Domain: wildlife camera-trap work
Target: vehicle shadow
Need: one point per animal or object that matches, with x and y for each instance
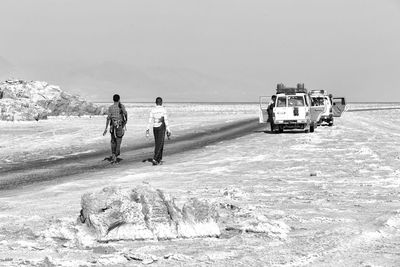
(277, 133)
(292, 132)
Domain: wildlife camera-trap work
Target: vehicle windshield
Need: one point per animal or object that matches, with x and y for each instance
(295, 101)
(281, 101)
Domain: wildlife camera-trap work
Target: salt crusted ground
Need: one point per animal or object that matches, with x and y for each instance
(63, 136)
(330, 198)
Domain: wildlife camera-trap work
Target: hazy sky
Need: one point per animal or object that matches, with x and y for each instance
(205, 50)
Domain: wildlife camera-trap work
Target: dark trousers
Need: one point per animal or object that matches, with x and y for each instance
(115, 144)
(271, 119)
(159, 138)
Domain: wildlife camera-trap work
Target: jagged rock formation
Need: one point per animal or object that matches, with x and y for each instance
(145, 213)
(22, 100)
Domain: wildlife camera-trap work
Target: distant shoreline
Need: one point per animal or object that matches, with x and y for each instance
(178, 102)
(227, 103)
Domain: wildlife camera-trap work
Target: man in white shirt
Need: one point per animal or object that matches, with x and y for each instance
(159, 120)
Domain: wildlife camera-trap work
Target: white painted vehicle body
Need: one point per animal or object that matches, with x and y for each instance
(292, 111)
(322, 99)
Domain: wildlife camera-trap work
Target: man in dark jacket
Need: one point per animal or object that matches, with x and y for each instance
(270, 109)
(117, 118)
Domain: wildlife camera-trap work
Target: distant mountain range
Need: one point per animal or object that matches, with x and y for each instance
(98, 82)
(139, 84)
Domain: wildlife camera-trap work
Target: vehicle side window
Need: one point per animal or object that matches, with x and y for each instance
(318, 101)
(339, 101)
(295, 101)
(281, 102)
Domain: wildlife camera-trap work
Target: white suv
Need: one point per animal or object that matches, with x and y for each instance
(292, 110)
(320, 98)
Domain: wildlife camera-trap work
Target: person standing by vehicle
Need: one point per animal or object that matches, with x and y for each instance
(159, 120)
(270, 109)
(117, 118)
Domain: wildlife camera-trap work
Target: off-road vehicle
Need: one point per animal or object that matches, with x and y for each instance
(321, 98)
(292, 109)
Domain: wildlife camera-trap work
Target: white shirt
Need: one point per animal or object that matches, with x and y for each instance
(156, 114)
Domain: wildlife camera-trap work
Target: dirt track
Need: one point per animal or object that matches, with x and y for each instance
(40, 171)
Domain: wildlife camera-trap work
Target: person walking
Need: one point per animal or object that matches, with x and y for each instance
(117, 117)
(159, 120)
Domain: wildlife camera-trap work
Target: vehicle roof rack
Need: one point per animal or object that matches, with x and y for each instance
(281, 89)
(319, 92)
(291, 90)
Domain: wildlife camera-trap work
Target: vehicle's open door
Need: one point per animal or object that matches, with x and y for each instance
(316, 112)
(338, 106)
(263, 116)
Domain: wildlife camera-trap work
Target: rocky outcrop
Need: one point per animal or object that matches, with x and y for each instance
(145, 213)
(21, 100)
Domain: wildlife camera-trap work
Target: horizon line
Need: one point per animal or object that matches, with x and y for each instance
(239, 102)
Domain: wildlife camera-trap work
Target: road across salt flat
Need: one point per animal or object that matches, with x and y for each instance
(40, 171)
(371, 109)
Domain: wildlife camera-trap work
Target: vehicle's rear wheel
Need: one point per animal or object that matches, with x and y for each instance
(311, 128)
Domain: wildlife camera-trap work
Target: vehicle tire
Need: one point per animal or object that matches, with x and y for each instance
(280, 129)
(311, 128)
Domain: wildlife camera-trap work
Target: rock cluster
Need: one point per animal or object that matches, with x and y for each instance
(22, 100)
(144, 213)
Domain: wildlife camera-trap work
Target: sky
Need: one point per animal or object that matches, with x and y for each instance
(204, 50)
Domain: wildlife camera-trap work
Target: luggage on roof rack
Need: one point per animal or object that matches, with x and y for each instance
(291, 90)
(318, 92)
(281, 89)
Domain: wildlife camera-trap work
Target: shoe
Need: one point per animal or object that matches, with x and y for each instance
(113, 158)
(155, 162)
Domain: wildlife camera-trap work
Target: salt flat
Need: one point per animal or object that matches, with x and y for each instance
(327, 198)
(61, 136)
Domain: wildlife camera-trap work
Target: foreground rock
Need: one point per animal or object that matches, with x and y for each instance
(22, 100)
(145, 213)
